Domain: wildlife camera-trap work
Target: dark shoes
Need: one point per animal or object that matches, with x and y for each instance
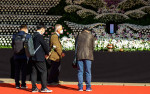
(54, 83)
(35, 90)
(45, 90)
(22, 87)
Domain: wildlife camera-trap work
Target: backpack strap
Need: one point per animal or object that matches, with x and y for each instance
(23, 37)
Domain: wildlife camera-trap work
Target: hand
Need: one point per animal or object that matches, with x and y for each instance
(63, 54)
(46, 56)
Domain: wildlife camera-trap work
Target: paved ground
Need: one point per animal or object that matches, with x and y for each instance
(4, 80)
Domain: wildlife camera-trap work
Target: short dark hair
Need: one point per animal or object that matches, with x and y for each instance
(85, 28)
(23, 27)
(40, 25)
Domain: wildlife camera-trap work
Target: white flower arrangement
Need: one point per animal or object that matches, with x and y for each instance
(69, 2)
(68, 43)
(145, 9)
(123, 16)
(125, 38)
(101, 44)
(138, 28)
(135, 13)
(79, 27)
(5, 41)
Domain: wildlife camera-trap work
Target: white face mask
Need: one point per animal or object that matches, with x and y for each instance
(42, 33)
(61, 32)
(27, 31)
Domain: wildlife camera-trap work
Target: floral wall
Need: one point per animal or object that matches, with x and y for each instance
(132, 17)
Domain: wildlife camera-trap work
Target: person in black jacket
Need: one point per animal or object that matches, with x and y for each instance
(20, 59)
(39, 63)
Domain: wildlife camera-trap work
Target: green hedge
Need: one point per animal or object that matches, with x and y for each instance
(73, 17)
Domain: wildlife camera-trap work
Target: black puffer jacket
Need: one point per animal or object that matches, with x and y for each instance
(85, 46)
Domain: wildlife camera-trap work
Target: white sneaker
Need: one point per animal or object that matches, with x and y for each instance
(17, 87)
(46, 90)
(80, 89)
(89, 89)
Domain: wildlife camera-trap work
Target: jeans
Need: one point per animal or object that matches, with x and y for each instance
(87, 65)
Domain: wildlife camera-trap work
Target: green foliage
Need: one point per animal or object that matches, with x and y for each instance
(131, 5)
(142, 21)
(5, 47)
(88, 7)
(94, 3)
(73, 17)
(59, 9)
(147, 10)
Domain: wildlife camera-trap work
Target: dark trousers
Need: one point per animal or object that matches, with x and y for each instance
(41, 68)
(54, 72)
(20, 66)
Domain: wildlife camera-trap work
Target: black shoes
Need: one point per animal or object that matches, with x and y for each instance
(45, 90)
(24, 87)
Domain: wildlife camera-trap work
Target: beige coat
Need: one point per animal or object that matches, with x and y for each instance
(56, 54)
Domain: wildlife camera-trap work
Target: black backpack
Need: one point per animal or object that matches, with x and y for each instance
(18, 46)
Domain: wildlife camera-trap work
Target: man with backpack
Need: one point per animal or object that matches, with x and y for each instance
(39, 63)
(20, 57)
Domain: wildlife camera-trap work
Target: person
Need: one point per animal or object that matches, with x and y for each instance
(20, 57)
(85, 47)
(56, 55)
(38, 60)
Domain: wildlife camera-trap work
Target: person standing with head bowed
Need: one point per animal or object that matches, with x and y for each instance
(56, 55)
(85, 48)
(39, 63)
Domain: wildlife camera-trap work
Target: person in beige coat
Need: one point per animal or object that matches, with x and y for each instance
(56, 55)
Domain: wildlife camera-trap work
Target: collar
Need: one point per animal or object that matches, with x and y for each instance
(57, 33)
(21, 31)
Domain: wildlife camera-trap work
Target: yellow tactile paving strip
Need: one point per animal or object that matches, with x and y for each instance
(4, 80)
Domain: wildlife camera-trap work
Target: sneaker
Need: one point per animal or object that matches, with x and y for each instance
(24, 87)
(35, 90)
(46, 90)
(88, 89)
(17, 87)
(80, 89)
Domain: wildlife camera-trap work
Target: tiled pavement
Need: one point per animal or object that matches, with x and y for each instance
(6, 80)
